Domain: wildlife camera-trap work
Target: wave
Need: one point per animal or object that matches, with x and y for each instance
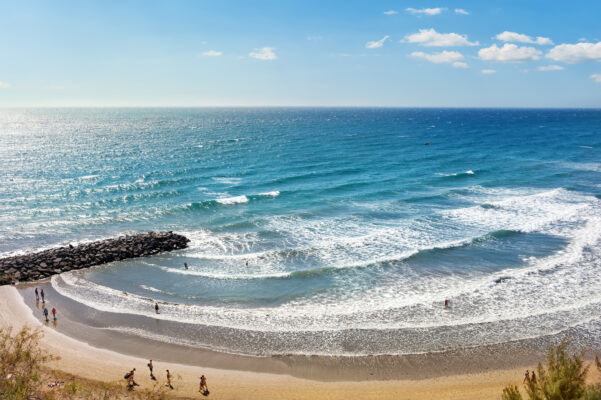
(222, 201)
(462, 290)
(327, 270)
(457, 175)
(232, 200)
(221, 276)
(152, 289)
(274, 193)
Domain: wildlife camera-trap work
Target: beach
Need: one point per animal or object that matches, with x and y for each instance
(323, 245)
(83, 360)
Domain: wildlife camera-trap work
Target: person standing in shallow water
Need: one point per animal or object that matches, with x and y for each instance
(46, 314)
(37, 295)
(186, 266)
(42, 293)
(156, 307)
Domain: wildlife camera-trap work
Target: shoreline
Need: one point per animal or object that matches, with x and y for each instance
(83, 359)
(97, 329)
(90, 362)
(148, 337)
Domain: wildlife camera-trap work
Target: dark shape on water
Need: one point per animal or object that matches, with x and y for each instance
(503, 279)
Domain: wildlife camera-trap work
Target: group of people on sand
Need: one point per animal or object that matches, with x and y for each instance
(529, 377)
(129, 377)
(44, 308)
(131, 383)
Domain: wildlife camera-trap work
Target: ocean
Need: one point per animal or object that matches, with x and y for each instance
(319, 230)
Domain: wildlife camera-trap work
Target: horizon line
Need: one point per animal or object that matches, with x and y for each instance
(302, 106)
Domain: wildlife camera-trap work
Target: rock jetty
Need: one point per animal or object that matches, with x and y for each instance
(31, 267)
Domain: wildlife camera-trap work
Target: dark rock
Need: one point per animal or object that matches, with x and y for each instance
(54, 261)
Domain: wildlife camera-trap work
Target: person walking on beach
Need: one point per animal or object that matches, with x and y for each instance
(203, 385)
(42, 293)
(156, 307)
(150, 368)
(130, 379)
(37, 295)
(526, 377)
(46, 313)
(169, 380)
(54, 313)
(533, 377)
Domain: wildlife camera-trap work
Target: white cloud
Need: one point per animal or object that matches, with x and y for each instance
(377, 44)
(461, 11)
(488, 71)
(4, 85)
(575, 53)
(460, 64)
(212, 53)
(521, 38)
(264, 53)
(596, 77)
(439, 58)
(391, 12)
(425, 11)
(509, 53)
(550, 68)
(429, 37)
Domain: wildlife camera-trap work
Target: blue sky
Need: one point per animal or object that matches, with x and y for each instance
(301, 53)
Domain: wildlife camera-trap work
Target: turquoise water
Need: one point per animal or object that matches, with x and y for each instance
(354, 230)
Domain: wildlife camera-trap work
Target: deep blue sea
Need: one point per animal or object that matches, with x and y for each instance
(354, 230)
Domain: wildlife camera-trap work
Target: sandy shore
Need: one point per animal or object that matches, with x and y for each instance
(93, 363)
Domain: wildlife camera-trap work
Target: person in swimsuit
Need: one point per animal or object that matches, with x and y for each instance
(186, 266)
(203, 384)
(150, 367)
(156, 307)
(169, 380)
(130, 379)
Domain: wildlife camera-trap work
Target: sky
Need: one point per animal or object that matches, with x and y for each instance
(439, 53)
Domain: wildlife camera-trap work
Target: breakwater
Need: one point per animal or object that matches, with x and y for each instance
(46, 263)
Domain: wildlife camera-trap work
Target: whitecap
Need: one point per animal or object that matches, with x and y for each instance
(232, 200)
(274, 193)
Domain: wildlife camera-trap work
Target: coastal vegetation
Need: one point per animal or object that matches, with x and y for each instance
(562, 378)
(24, 375)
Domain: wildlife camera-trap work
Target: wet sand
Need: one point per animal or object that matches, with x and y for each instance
(460, 374)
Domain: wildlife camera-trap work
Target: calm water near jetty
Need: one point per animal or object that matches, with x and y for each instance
(354, 232)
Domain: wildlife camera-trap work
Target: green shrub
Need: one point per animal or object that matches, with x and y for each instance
(563, 378)
(21, 360)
